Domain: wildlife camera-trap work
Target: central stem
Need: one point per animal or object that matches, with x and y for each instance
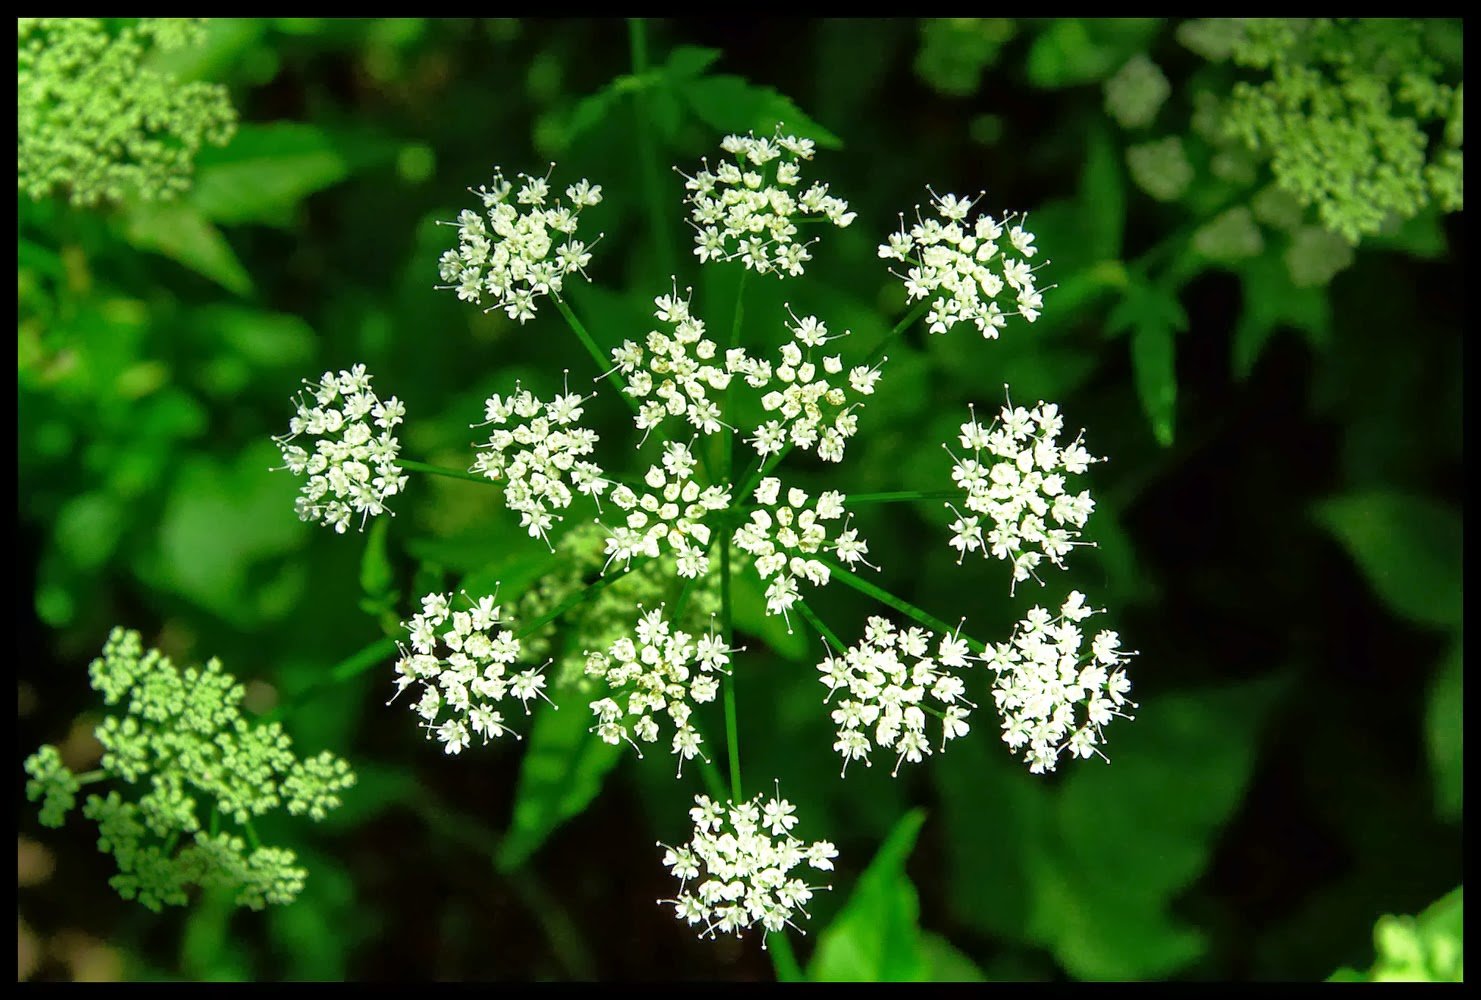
(727, 445)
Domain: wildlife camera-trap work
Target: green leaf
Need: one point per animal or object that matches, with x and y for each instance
(268, 169)
(1102, 198)
(734, 104)
(875, 938)
(1408, 547)
(945, 964)
(562, 771)
(1272, 302)
(180, 232)
(1428, 948)
(1444, 728)
(1153, 315)
(688, 61)
(1074, 51)
(1127, 837)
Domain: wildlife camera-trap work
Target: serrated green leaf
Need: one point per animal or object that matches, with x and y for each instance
(875, 938)
(1408, 547)
(562, 771)
(734, 104)
(1271, 302)
(1444, 728)
(180, 232)
(688, 61)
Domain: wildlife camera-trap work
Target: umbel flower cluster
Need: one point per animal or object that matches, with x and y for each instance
(94, 122)
(649, 675)
(1021, 489)
(735, 872)
(522, 248)
(460, 660)
(352, 468)
(1345, 113)
(192, 773)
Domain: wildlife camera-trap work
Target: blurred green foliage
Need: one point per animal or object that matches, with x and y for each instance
(1278, 529)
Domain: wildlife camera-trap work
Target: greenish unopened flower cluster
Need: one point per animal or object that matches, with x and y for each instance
(1346, 113)
(191, 774)
(94, 121)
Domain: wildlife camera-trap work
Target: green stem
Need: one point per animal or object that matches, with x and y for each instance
(637, 36)
(905, 323)
(586, 593)
(603, 363)
(855, 499)
(438, 470)
(901, 605)
(727, 450)
(732, 738)
(817, 623)
(783, 961)
(252, 838)
(90, 777)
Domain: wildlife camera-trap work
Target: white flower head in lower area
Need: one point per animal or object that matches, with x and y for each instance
(658, 671)
(978, 272)
(747, 209)
(537, 449)
(811, 398)
(785, 539)
(352, 467)
(460, 661)
(892, 680)
(1020, 487)
(523, 246)
(735, 872)
(670, 514)
(1053, 694)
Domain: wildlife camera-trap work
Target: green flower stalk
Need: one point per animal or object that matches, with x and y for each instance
(96, 124)
(188, 764)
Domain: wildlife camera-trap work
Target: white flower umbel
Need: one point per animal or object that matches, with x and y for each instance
(783, 539)
(735, 872)
(671, 513)
(1053, 695)
(536, 449)
(460, 662)
(802, 389)
(971, 269)
(352, 467)
(748, 209)
(892, 681)
(674, 377)
(1021, 489)
(659, 671)
(522, 247)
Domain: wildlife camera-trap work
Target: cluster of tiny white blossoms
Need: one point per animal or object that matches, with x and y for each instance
(1052, 695)
(782, 540)
(534, 448)
(677, 373)
(673, 511)
(966, 267)
(469, 675)
(1022, 490)
(524, 250)
(805, 388)
(740, 859)
(663, 671)
(746, 209)
(352, 469)
(887, 691)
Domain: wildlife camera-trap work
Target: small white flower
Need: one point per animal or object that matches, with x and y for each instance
(469, 676)
(537, 449)
(965, 266)
(1052, 696)
(352, 468)
(520, 249)
(735, 872)
(664, 671)
(1016, 478)
(671, 514)
(746, 210)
